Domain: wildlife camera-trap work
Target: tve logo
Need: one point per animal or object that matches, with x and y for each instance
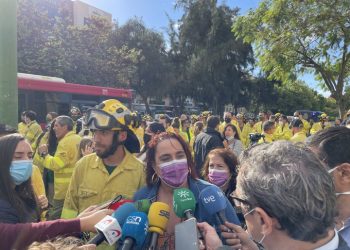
(133, 220)
(209, 199)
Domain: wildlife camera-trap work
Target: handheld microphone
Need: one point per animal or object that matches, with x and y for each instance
(214, 202)
(158, 217)
(116, 221)
(134, 231)
(184, 203)
(143, 205)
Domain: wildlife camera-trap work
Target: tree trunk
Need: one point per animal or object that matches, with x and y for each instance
(341, 105)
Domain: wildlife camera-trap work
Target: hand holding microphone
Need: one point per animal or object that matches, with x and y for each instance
(109, 228)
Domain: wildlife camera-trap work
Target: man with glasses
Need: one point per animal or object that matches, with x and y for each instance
(333, 147)
(288, 201)
(112, 170)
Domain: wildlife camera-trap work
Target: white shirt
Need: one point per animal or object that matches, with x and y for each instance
(332, 244)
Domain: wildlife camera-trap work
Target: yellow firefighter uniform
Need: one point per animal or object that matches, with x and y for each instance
(22, 127)
(282, 132)
(318, 127)
(298, 137)
(247, 129)
(91, 183)
(32, 132)
(268, 138)
(63, 162)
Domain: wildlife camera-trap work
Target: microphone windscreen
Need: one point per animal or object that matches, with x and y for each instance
(123, 212)
(136, 227)
(212, 199)
(143, 205)
(183, 200)
(158, 217)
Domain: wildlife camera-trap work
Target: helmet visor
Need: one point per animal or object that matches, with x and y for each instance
(99, 119)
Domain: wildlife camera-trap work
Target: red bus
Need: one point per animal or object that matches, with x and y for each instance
(43, 94)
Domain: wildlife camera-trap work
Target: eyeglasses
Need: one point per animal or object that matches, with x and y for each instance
(239, 202)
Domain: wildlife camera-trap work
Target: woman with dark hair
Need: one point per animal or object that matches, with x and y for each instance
(17, 199)
(220, 169)
(169, 165)
(232, 140)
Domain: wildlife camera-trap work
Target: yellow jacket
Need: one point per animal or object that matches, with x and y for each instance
(306, 127)
(282, 133)
(37, 182)
(317, 127)
(22, 127)
(91, 184)
(139, 132)
(258, 127)
(32, 132)
(298, 137)
(247, 129)
(63, 162)
(268, 138)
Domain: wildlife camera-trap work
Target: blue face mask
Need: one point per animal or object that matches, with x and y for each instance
(21, 171)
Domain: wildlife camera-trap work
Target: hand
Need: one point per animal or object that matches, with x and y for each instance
(237, 238)
(43, 201)
(225, 142)
(87, 223)
(211, 238)
(89, 149)
(88, 211)
(42, 149)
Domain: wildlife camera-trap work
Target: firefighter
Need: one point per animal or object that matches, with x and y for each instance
(113, 169)
(62, 162)
(322, 124)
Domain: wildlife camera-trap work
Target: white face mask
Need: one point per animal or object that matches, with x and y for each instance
(229, 138)
(250, 235)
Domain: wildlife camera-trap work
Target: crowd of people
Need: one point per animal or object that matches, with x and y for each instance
(285, 183)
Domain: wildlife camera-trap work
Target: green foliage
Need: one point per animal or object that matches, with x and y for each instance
(213, 62)
(291, 37)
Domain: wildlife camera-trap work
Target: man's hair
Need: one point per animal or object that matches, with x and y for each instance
(291, 185)
(268, 125)
(213, 121)
(31, 115)
(64, 120)
(333, 145)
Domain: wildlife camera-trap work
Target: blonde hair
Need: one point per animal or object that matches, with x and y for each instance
(67, 243)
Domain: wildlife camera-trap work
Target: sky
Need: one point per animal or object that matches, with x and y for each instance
(154, 15)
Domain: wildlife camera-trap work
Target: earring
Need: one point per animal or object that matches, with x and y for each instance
(155, 178)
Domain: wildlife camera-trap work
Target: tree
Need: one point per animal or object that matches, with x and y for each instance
(215, 63)
(150, 75)
(292, 37)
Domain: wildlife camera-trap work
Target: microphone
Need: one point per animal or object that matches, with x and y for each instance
(158, 217)
(134, 231)
(143, 205)
(105, 229)
(214, 202)
(184, 203)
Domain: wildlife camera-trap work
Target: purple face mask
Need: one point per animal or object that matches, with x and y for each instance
(218, 177)
(174, 173)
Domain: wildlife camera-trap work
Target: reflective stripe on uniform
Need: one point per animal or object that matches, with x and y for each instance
(56, 160)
